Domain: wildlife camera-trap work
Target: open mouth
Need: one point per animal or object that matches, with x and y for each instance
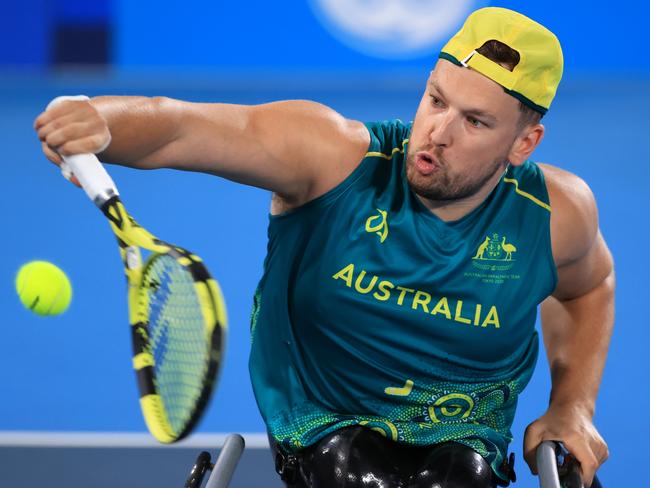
(425, 163)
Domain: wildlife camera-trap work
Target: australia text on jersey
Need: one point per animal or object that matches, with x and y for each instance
(451, 309)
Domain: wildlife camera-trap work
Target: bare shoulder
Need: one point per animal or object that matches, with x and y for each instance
(330, 145)
(574, 216)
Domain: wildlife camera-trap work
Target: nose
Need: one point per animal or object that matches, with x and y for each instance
(441, 130)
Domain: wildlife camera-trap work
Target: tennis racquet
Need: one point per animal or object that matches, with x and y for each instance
(176, 310)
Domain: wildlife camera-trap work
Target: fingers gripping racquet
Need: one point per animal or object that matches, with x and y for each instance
(176, 310)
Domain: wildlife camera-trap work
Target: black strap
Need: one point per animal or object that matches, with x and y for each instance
(508, 466)
(286, 465)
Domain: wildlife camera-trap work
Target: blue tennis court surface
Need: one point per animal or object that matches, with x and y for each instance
(99, 467)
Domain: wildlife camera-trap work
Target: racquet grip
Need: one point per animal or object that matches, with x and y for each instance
(92, 176)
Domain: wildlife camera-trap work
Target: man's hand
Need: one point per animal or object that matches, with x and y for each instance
(575, 429)
(71, 127)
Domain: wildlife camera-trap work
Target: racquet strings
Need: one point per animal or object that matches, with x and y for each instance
(177, 338)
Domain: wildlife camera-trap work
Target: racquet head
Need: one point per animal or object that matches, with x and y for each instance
(178, 323)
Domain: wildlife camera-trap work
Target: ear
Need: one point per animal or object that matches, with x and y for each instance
(525, 144)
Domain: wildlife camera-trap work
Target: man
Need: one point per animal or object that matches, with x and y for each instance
(393, 328)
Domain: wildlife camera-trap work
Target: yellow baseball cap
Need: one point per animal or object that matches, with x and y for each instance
(536, 77)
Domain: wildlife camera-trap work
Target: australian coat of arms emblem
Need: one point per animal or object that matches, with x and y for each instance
(495, 253)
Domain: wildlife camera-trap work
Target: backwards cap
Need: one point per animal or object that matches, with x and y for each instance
(536, 77)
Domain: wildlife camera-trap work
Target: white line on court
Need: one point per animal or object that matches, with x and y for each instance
(17, 438)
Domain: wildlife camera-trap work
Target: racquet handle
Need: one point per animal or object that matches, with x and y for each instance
(92, 176)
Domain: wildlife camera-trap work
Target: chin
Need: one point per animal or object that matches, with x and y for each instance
(426, 187)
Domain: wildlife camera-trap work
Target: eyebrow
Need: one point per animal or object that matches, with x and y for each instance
(471, 111)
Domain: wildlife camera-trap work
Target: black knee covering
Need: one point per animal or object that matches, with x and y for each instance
(357, 457)
(452, 465)
(350, 458)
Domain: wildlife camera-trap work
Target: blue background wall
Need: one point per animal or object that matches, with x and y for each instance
(72, 373)
(596, 36)
(273, 35)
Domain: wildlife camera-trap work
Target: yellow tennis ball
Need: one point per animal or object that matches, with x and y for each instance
(43, 288)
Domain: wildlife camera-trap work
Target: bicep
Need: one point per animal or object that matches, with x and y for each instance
(286, 147)
(579, 277)
(581, 256)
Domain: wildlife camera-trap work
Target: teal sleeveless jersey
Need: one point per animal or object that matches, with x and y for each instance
(372, 311)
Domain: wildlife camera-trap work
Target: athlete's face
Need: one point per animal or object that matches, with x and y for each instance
(464, 133)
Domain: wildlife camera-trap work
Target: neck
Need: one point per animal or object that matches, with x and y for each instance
(450, 210)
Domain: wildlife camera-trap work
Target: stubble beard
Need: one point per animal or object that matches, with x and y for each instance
(444, 186)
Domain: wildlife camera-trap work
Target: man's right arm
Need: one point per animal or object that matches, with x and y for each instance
(297, 149)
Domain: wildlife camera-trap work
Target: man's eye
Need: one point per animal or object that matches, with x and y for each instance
(475, 122)
(436, 101)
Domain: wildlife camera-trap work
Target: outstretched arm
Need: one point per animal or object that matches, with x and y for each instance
(577, 323)
(293, 148)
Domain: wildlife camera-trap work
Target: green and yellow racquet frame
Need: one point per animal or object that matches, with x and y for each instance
(176, 311)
